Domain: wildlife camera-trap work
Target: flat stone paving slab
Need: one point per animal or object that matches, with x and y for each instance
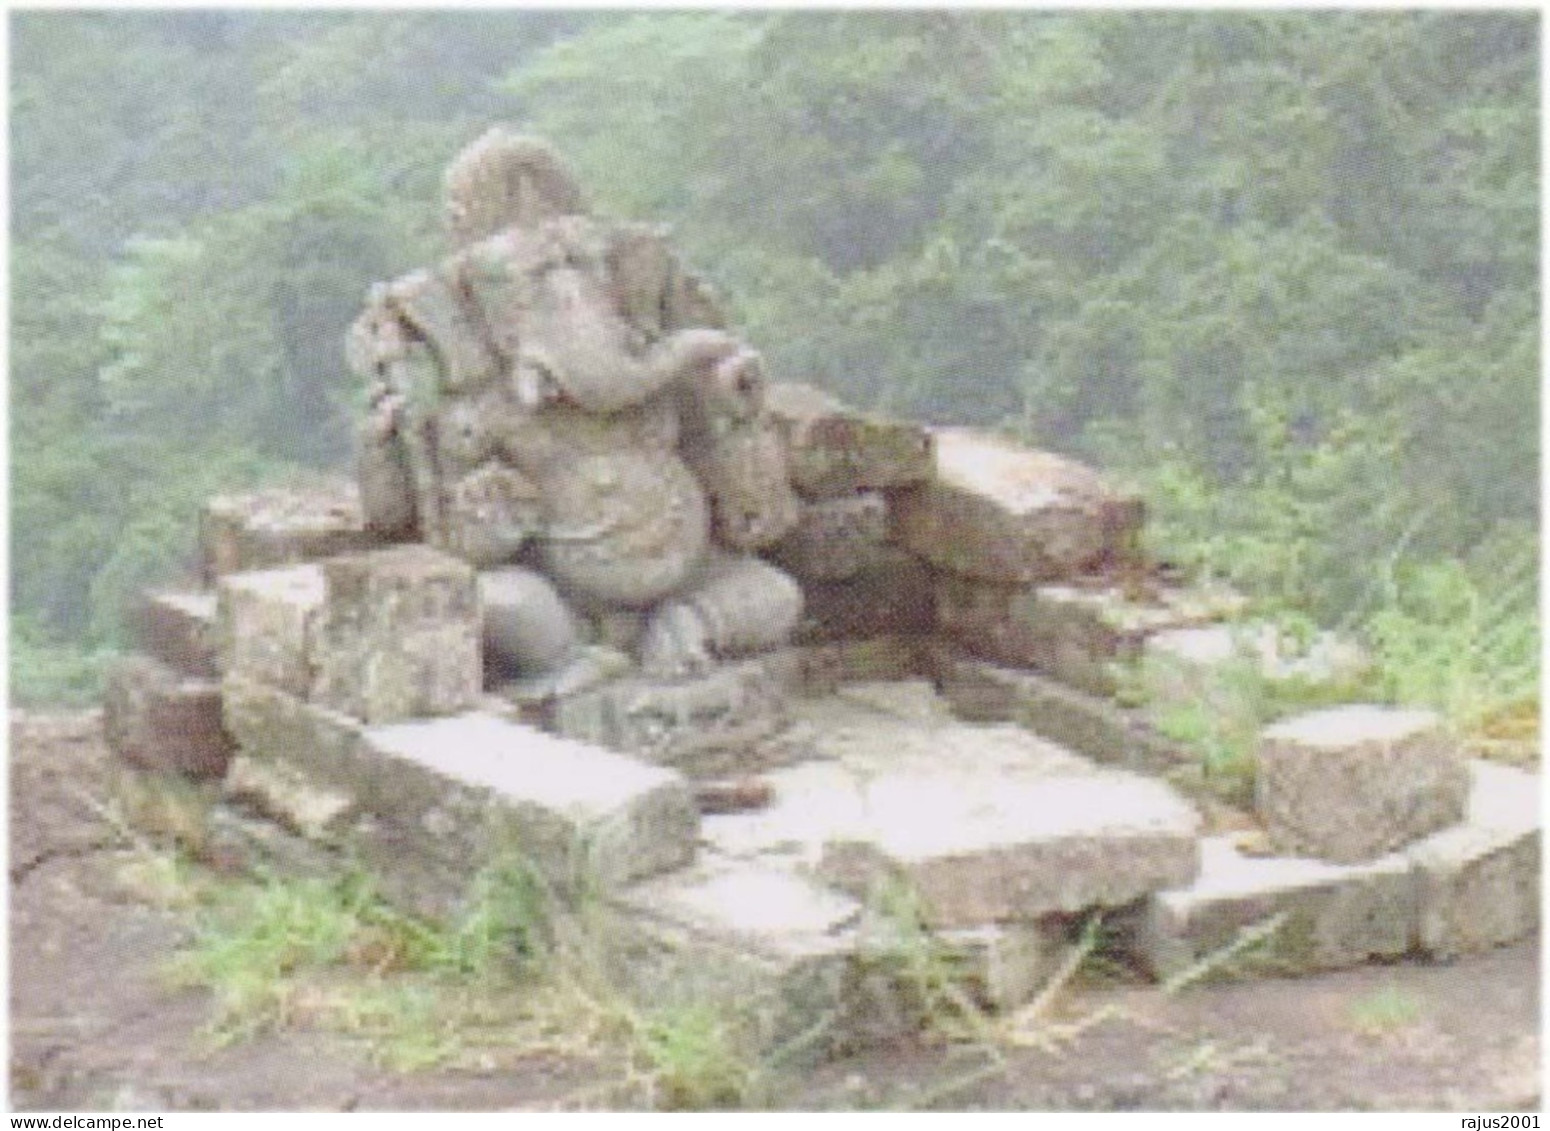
(986, 823)
(996, 511)
(1351, 783)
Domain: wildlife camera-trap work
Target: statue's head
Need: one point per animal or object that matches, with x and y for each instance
(504, 179)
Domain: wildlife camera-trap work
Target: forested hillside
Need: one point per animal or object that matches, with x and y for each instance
(1280, 270)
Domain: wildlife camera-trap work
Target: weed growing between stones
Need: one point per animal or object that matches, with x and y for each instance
(1386, 1010)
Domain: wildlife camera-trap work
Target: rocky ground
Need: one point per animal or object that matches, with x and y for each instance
(96, 1023)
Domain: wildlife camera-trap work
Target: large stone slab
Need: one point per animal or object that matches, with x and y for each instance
(996, 851)
(985, 824)
(280, 526)
(1479, 882)
(836, 451)
(892, 594)
(1352, 783)
(179, 629)
(995, 511)
(1080, 635)
(1332, 915)
(432, 802)
(158, 719)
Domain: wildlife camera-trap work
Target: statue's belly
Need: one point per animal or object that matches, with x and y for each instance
(624, 528)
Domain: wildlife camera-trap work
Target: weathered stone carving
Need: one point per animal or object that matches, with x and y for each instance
(561, 395)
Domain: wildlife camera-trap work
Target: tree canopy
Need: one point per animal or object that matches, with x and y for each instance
(1279, 269)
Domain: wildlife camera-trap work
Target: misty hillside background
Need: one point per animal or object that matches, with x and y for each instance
(1279, 270)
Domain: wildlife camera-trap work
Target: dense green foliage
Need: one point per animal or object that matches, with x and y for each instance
(1279, 269)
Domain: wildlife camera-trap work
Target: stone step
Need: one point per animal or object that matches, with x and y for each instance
(996, 511)
(1091, 725)
(1466, 888)
(281, 526)
(432, 802)
(801, 963)
(156, 718)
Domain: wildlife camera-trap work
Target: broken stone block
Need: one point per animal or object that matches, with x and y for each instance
(274, 725)
(280, 527)
(995, 511)
(992, 851)
(774, 949)
(179, 629)
(1351, 783)
(267, 621)
(1332, 915)
(835, 539)
(155, 718)
(837, 451)
(1479, 882)
(893, 594)
(398, 636)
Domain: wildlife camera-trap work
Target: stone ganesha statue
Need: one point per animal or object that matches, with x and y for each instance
(560, 403)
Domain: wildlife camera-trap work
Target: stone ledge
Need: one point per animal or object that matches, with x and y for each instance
(432, 802)
(155, 718)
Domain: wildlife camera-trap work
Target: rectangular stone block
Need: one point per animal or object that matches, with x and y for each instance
(999, 850)
(995, 511)
(430, 803)
(267, 624)
(179, 629)
(835, 539)
(1334, 915)
(1479, 882)
(979, 691)
(399, 635)
(893, 595)
(157, 719)
(1352, 783)
(577, 811)
(836, 450)
(280, 526)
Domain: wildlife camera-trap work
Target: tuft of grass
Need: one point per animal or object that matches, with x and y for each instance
(1385, 1010)
(691, 1057)
(333, 953)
